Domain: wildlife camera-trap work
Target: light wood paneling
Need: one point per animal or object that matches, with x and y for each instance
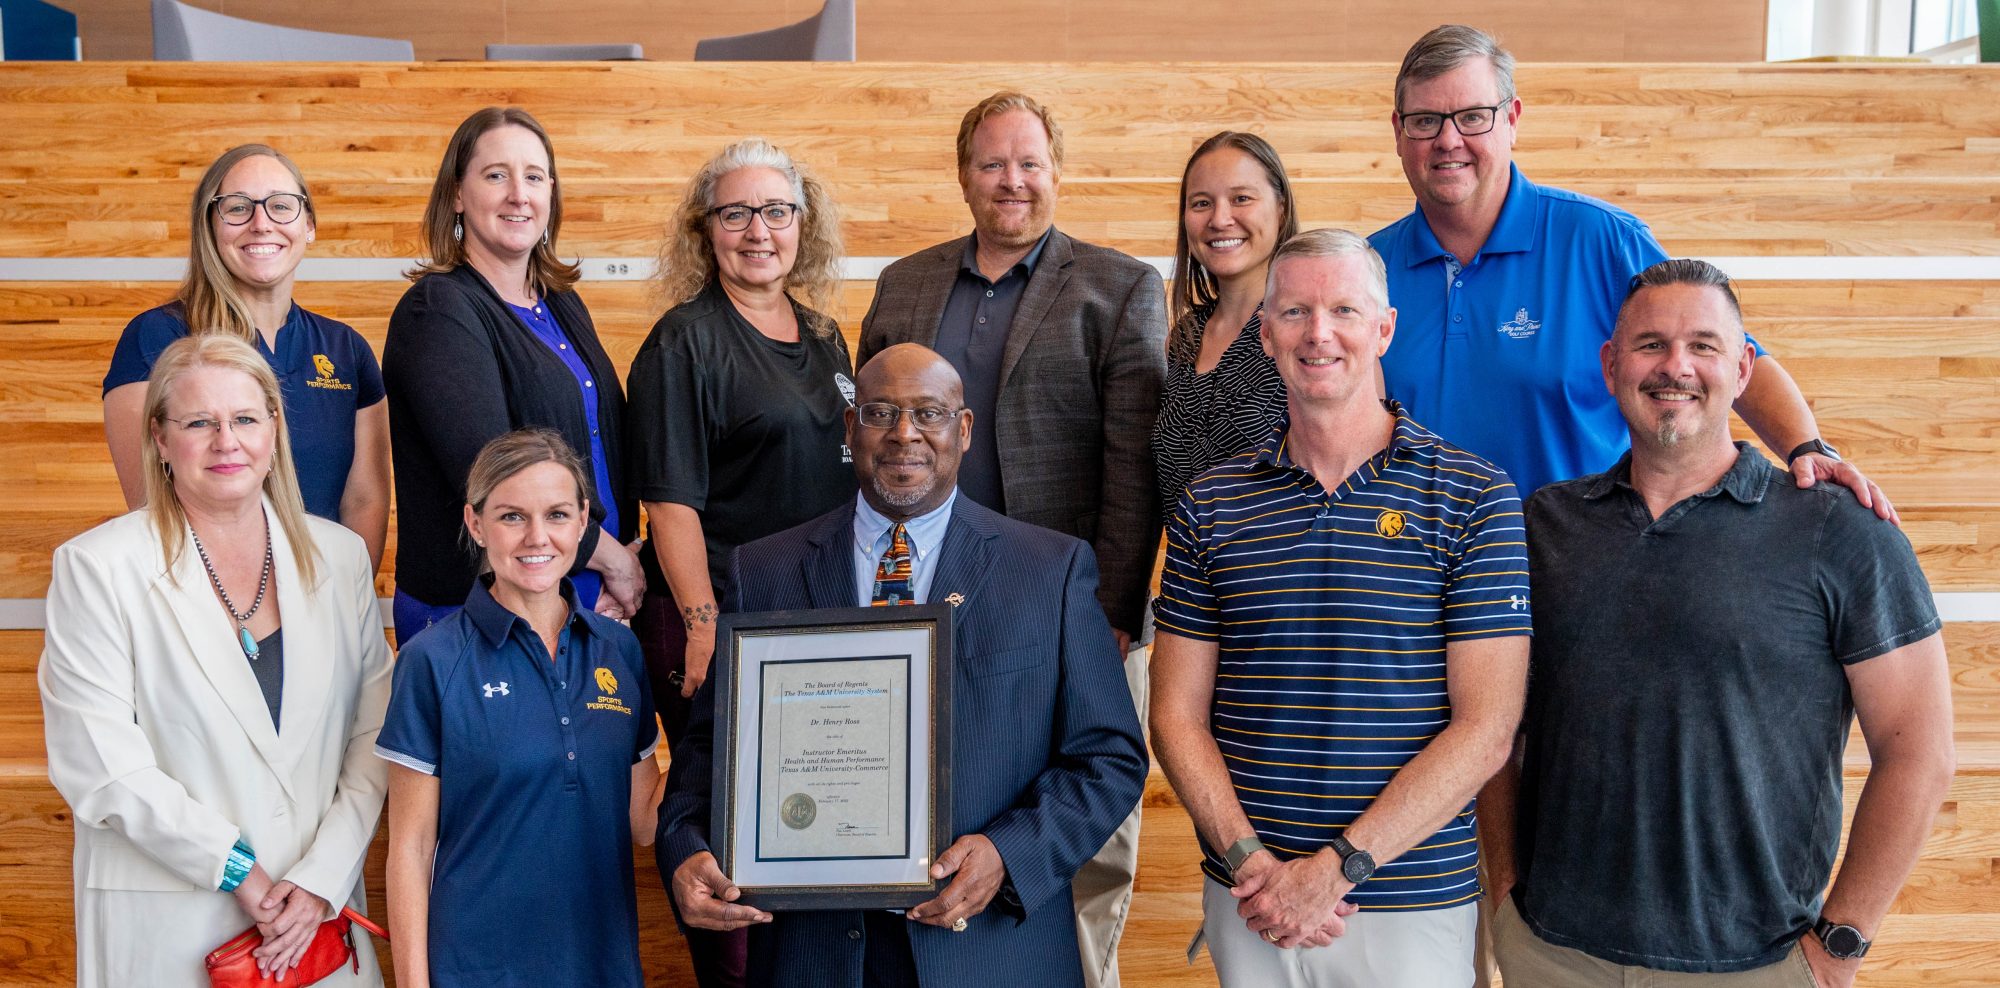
(1938, 931)
(1011, 31)
(1781, 160)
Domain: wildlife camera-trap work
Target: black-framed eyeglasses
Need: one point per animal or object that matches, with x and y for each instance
(735, 217)
(281, 207)
(927, 418)
(1471, 122)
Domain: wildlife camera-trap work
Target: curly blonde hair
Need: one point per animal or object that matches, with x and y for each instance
(686, 263)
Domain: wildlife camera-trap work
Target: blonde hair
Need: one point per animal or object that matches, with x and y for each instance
(1003, 102)
(686, 261)
(1335, 243)
(510, 453)
(443, 232)
(208, 296)
(281, 483)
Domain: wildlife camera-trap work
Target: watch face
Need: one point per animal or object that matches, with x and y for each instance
(1842, 941)
(1358, 866)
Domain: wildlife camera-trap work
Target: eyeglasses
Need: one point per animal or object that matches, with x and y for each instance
(735, 217)
(1471, 122)
(242, 423)
(927, 418)
(281, 207)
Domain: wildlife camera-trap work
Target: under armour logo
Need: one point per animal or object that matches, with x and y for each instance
(1516, 601)
(492, 690)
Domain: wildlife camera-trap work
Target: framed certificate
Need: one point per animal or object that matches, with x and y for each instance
(832, 785)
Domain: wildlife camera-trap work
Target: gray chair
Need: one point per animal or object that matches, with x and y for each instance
(565, 53)
(190, 34)
(827, 36)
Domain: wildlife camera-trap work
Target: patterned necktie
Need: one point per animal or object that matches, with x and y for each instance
(892, 572)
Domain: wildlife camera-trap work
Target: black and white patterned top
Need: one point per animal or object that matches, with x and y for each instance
(1208, 418)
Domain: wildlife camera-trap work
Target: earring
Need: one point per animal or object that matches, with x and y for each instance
(545, 236)
(458, 228)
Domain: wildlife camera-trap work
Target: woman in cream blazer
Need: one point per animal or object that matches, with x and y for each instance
(159, 734)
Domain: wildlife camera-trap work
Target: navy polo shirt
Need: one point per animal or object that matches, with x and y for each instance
(532, 882)
(326, 372)
(1331, 610)
(1502, 353)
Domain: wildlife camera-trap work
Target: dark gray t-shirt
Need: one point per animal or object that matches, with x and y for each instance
(1688, 707)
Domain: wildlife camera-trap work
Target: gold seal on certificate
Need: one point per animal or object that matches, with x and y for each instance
(833, 755)
(836, 763)
(798, 811)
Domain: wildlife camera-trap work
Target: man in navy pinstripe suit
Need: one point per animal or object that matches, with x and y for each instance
(1047, 753)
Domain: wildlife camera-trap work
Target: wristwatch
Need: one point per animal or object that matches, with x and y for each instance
(1355, 864)
(1840, 940)
(1240, 852)
(1815, 445)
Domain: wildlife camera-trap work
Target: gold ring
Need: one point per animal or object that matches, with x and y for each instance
(1268, 936)
(958, 925)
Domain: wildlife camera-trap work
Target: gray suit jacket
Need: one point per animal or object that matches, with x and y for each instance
(1080, 383)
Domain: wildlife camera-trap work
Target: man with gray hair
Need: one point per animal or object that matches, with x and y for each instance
(1704, 636)
(1340, 659)
(1508, 288)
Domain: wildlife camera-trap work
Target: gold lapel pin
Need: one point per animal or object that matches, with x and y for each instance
(955, 599)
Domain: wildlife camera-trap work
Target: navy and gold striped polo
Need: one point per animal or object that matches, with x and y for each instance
(1331, 610)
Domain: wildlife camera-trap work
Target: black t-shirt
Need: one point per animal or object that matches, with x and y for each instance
(1688, 706)
(748, 431)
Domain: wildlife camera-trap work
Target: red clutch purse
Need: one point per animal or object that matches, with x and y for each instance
(231, 966)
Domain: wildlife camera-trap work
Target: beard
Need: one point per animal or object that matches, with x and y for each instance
(905, 497)
(1671, 431)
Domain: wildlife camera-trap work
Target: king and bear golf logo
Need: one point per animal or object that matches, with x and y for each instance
(1389, 524)
(607, 699)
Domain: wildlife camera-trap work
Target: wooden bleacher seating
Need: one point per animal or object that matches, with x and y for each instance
(1802, 161)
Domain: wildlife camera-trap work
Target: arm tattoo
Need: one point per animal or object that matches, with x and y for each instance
(700, 614)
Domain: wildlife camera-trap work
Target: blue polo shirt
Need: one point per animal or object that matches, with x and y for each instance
(532, 882)
(1331, 609)
(1502, 354)
(326, 372)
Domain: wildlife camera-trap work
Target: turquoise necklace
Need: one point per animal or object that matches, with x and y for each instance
(243, 638)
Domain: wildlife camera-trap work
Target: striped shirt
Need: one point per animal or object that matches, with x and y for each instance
(1331, 610)
(1207, 418)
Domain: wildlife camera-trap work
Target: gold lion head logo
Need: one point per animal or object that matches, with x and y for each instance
(1389, 524)
(323, 365)
(606, 681)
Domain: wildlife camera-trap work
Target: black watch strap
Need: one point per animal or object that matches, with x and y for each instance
(1840, 940)
(1813, 445)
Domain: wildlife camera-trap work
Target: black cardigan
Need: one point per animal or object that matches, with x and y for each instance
(461, 369)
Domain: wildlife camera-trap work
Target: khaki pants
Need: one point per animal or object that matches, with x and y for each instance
(1528, 961)
(1103, 886)
(1423, 948)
